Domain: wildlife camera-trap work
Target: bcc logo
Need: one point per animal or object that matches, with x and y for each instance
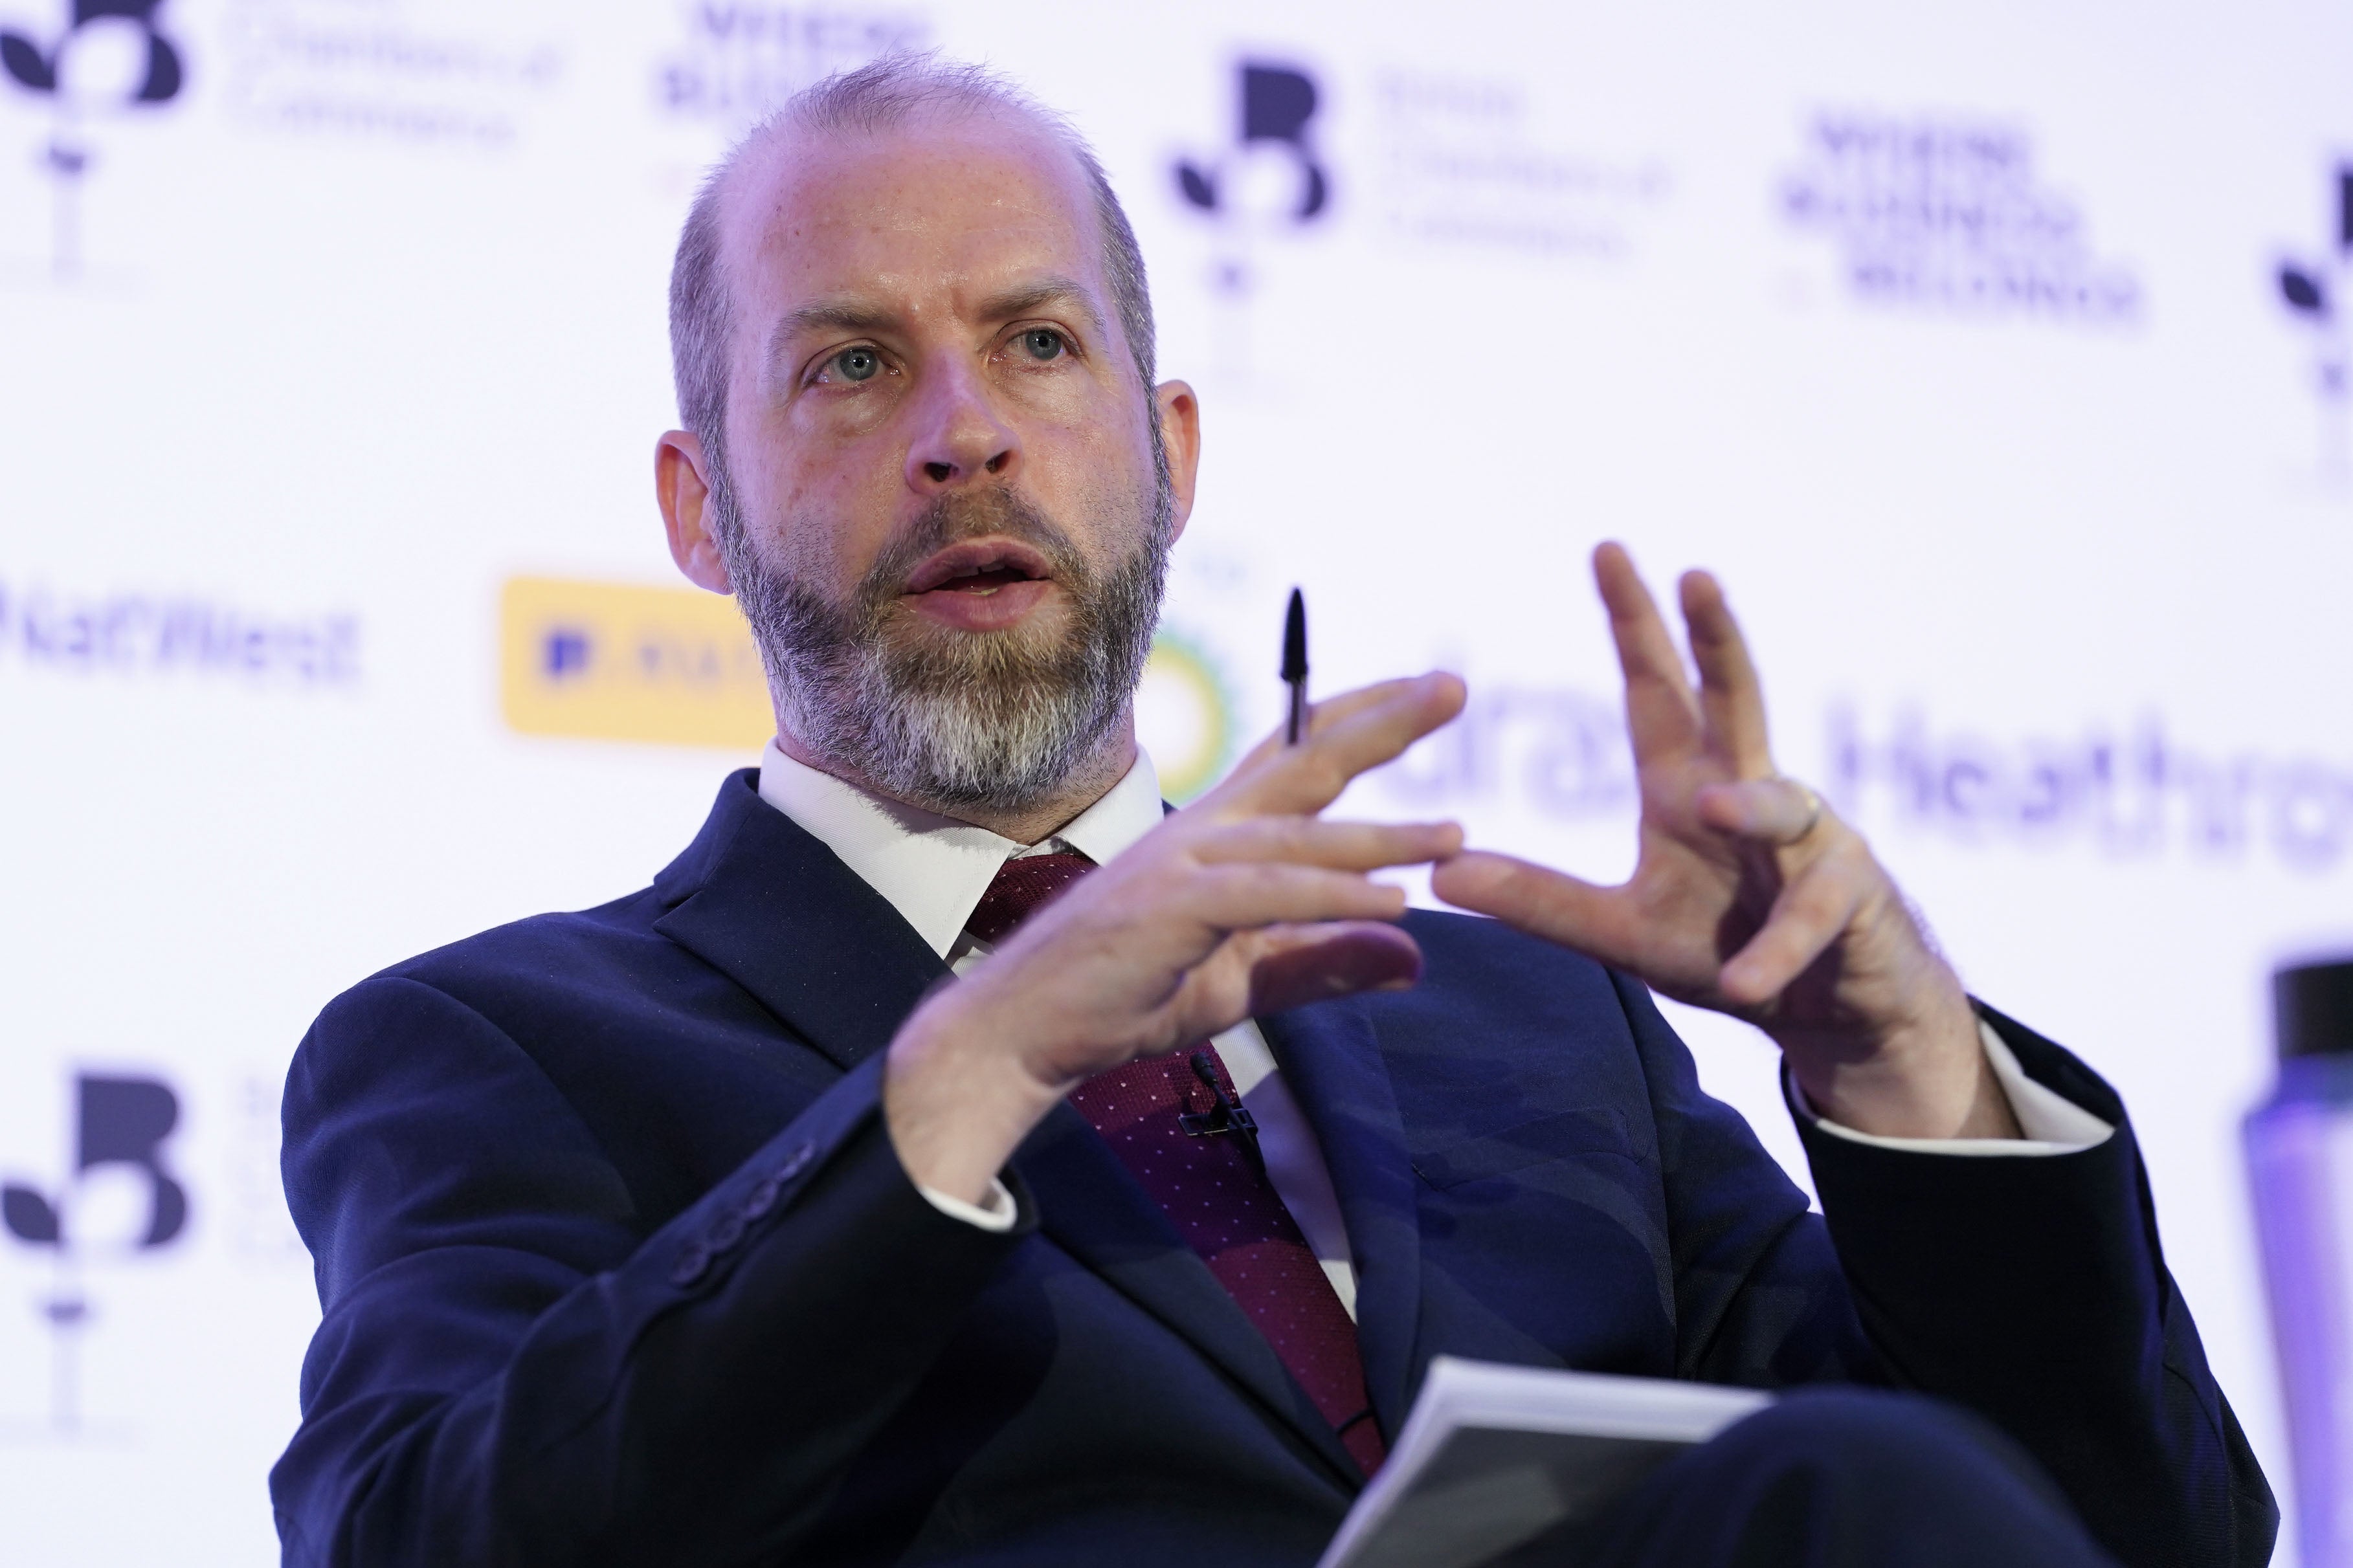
(2315, 293)
(122, 1125)
(109, 56)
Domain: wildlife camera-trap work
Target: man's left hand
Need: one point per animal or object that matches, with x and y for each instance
(1750, 898)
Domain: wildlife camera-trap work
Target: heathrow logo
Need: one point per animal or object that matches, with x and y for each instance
(2130, 790)
(122, 1125)
(110, 55)
(2314, 294)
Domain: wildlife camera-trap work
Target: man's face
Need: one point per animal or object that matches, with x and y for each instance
(948, 526)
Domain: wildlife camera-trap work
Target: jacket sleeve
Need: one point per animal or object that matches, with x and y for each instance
(509, 1371)
(2029, 1289)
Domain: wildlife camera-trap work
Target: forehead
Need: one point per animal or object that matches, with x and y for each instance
(922, 216)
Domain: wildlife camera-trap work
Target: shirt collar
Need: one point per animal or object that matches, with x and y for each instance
(932, 868)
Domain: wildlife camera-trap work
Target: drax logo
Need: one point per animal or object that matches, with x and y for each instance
(110, 55)
(122, 1125)
(2315, 293)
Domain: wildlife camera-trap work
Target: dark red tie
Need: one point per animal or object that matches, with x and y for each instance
(1212, 1185)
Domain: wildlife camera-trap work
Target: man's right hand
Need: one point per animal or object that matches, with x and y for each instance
(1245, 902)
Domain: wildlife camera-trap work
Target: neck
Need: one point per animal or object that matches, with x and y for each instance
(1029, 822)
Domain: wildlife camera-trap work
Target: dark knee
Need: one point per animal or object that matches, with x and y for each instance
(1839, 1475)
(1863, 1436)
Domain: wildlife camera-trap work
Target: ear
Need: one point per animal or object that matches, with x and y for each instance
(1179, 412)
(682, 486)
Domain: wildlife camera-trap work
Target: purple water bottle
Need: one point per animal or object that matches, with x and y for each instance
(2300, 1163)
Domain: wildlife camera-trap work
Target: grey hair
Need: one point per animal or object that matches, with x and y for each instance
(878, 97)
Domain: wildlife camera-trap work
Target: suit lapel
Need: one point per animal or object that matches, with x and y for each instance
(1092, 1208)
(777, 912)
(1332, 1061)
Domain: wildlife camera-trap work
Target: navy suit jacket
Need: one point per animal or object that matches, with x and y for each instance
(618, 1263)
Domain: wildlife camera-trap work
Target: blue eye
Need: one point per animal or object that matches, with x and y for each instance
(857, 364)
(1043, 342)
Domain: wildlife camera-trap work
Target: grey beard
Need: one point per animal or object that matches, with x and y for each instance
(953, 720)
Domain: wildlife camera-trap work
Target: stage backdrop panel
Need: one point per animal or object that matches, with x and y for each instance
(1991, 352)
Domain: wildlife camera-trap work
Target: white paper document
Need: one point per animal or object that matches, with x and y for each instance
(1493, 1456)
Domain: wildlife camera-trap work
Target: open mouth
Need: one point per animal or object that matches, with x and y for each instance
(979, 566)
(981, 585)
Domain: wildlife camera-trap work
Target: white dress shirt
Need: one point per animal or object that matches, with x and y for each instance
(933, 869)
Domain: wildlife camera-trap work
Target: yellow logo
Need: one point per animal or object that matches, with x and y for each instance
(615, 661)
(1185, 716)
(612, 661)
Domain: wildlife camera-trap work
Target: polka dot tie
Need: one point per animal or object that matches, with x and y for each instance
(1213, 1188)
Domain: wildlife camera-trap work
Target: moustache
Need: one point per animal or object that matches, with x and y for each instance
(953, 518)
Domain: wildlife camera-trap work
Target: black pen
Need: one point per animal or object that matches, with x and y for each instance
(1294, 664)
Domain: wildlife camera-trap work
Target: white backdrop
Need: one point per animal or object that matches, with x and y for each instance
(1952, 334)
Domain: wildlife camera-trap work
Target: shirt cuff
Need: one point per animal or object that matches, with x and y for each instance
(2053, 1123)
(997, 1214)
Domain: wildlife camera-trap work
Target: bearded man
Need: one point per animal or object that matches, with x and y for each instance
(871, 1188)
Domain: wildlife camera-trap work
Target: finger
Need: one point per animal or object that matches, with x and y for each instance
(1315, 963)
(1338, 845)
(1260, 972)
(1326, 713)
(1730, 696)
(1662, 716)
(1812, 910)
(1303, 780)
(1597, 922)
(1250, 894)
(1776, 811)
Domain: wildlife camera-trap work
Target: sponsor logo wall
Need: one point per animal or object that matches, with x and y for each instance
(1999, 363)
(2312, 286)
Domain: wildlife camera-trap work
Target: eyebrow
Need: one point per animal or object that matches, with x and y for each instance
(1029, 298)
(828, 315)
(853, 315)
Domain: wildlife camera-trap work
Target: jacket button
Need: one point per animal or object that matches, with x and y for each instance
(691, 1264)
(761, 1198)
(792, 1167)
(727, 1232)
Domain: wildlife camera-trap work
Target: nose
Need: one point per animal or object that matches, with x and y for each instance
(959, 439)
